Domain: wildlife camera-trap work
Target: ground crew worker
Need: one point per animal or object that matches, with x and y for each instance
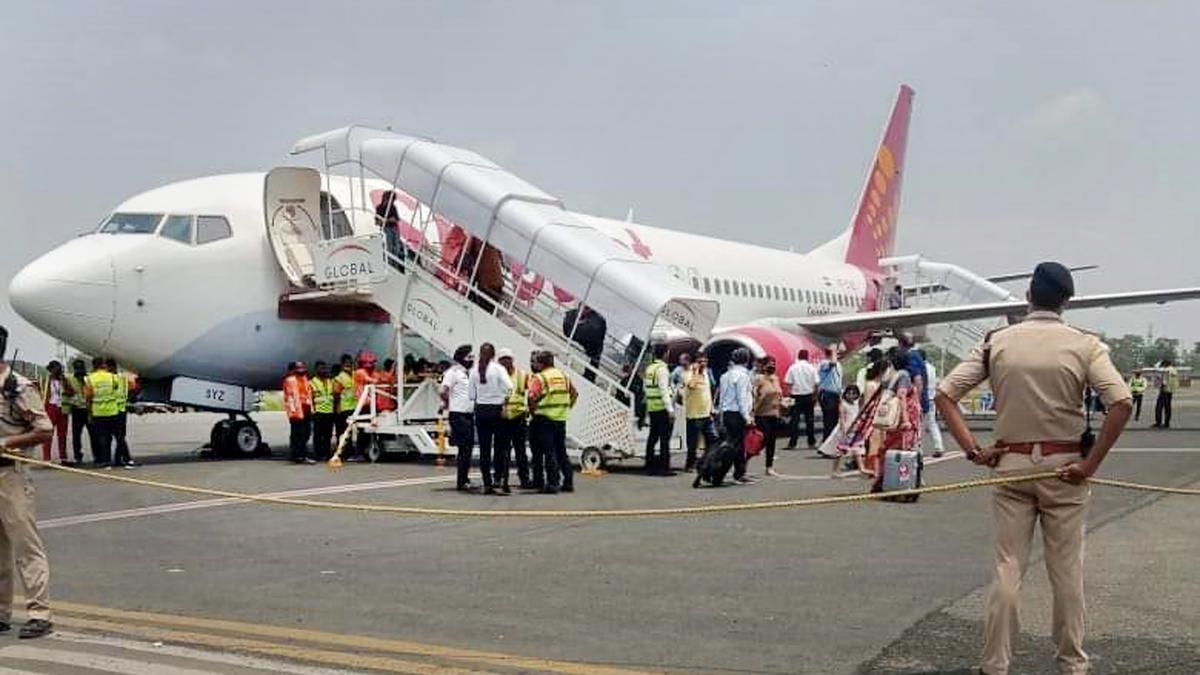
(121, 456)
(1039, 370)
(297, 401)
(1137, 388)
(76, 400)
(23, 424)
(513, 430)
(363, 375)
(103, 407)
(388, 392)
(56, 407)
(660, 408)
(344, 399)
(551, 397)
(1168, 382)
(323, 411)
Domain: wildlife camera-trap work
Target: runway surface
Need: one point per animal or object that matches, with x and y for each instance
(168, 583)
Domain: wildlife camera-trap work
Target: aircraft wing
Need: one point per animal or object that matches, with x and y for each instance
(841, 324)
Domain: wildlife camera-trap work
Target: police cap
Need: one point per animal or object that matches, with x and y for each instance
(1051, 284)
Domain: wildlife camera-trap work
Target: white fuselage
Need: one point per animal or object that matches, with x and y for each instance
(211, 310)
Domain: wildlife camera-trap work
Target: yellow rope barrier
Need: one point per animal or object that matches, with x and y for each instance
(590, 513)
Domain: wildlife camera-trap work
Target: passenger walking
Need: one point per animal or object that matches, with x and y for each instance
(56, 410)
(905, 434)
(679, 374)
(1038, 370)
(121, 456)
(324, 404)
(297, 401)
(551, 397)
(74, 387)
(660, 407)
(344, 397)
(490, 388)
(456, 399)
(735, 400)
(698, 410)
(1168, 382)
(101, 392)
(801, 381)
(511, 440)
(847, 444)
(768, 408)
(829, 387)
(928, 410)
(23, 424)
(1137, 387)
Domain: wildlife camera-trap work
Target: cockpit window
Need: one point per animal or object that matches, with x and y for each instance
(212, 228)
(131, 223)
(178, 228)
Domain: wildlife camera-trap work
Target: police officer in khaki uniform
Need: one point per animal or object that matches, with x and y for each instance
(1039, 370)
(23, 424)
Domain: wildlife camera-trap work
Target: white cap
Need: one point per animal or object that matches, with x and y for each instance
(504, 353)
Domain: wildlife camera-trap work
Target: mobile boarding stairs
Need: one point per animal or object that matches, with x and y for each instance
(460, 209)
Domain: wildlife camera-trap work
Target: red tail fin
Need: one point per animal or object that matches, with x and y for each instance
(873, 232)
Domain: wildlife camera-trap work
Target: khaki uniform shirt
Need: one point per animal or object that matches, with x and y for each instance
(26, 413)
(1039, 369)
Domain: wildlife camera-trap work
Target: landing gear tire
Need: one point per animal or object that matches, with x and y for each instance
(247, 439)
(591, 459)
(236, 438)
(375, 450)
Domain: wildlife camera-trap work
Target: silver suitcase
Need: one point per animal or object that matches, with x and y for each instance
(902, 471)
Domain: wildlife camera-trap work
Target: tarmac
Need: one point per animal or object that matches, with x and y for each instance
(150, 581)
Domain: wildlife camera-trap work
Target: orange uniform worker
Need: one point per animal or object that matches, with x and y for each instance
(297, 401)
(363, 375)
(386, 393)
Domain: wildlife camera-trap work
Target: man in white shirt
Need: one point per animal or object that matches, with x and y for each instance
(456, 399)
(735, 400)
(801, 381)
(932, 431)
(489, 386)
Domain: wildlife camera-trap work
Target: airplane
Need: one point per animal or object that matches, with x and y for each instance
(184, 285)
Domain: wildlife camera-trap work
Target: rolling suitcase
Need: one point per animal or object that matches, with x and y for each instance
(715, 464)
(901, 471)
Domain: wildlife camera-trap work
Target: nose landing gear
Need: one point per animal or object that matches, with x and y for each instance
(235, 437)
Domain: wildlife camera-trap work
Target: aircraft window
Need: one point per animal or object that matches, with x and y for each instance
(745, 290)
(762, 291)
(725, 285)
(212, 228)
(340, 227)
(778, 294)
(178, 228)
(707, 286)
(695, 283)
(131, 223)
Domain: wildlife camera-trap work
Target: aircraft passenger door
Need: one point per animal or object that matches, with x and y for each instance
(292, 205)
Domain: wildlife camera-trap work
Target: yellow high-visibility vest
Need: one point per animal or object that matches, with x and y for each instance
(554, 403)
(654, 395)
(516, 407)
(104, 393)
(322, 393)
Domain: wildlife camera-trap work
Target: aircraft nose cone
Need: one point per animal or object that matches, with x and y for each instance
(69, 293)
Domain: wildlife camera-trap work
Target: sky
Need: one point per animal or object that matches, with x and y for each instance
(1041, 131)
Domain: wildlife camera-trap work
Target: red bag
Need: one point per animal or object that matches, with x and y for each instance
(753, 442)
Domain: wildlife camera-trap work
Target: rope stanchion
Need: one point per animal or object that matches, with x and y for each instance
(706, 509)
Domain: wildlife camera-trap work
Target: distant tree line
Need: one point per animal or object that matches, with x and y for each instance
(1135, 351)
